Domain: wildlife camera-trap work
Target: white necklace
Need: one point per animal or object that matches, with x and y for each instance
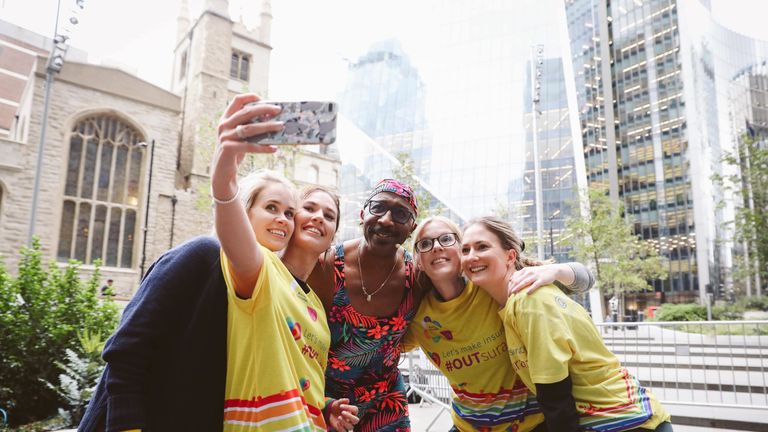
(360, 270)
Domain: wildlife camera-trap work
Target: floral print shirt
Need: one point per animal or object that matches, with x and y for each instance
(364, 353)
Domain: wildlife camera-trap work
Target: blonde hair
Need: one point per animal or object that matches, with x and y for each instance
(508, 238)
(255, 182)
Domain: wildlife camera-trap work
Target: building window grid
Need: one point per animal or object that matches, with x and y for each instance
(679, 273)
(239, 67)
(89, 201)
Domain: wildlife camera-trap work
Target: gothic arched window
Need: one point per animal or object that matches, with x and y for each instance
(99, 216)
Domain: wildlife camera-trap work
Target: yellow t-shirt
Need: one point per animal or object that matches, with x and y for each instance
(277, 350)
(551, 337)
(464, 338)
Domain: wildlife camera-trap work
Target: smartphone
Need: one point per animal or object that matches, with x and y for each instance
(307, 122)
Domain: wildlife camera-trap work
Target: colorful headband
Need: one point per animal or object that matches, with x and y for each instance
(398, 188)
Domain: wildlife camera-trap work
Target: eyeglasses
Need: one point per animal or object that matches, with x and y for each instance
(445, 240)
(400, 214)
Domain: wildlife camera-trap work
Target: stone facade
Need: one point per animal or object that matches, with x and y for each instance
(81, 90)
(181, 124)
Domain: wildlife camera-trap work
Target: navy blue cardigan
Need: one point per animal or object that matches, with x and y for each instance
(167, 360)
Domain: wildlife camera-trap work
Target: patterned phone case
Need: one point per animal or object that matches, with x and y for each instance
(305, 123)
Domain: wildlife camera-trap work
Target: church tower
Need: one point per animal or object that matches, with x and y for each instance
(216, 58)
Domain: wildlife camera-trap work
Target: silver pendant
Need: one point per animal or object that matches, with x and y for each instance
(369, 297)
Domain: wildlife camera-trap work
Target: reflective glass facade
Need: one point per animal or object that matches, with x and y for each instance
(647, 92)
(457, 97)
(545, 82)
(670, 67)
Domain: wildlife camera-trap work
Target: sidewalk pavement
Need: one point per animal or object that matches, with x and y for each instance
(421, 416)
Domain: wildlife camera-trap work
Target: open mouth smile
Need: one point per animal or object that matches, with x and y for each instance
(477, 269)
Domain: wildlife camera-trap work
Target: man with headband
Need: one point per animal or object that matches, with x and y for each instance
(367, 287)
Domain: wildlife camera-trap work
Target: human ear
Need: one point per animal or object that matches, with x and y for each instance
(511, 257)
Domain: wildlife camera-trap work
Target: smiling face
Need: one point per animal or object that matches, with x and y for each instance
(484, 261)
(271, 215)
(441, 262)
(382, 233)
(316, 222)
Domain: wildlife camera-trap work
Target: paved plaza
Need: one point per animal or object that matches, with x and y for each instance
(421, 416)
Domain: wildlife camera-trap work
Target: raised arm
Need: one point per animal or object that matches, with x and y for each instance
(231, 219)
(572, 277)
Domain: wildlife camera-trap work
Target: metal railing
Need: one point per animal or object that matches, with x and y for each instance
(703, 363)
(710, 363)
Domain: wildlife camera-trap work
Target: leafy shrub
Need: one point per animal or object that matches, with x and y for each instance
(80, 376)
(681, 312)
(41, 313)
(755, 303)
(727, 313)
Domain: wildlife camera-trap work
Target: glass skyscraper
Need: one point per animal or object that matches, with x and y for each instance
(457, 97)
(652, 83)
(546, 88)
(491, 99)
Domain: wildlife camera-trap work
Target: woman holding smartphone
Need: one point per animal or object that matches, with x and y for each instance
(278, 337)
(460, 331)
(241, 345)
(553, 345)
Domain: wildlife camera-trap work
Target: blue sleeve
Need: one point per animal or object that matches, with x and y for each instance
(132, 349)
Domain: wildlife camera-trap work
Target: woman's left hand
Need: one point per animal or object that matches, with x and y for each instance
(342, 416)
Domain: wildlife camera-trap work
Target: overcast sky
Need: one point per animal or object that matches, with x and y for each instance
(308, 35)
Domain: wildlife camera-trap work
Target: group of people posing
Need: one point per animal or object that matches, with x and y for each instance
(267, 327)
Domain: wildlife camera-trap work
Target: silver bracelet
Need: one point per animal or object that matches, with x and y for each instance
(227, 201)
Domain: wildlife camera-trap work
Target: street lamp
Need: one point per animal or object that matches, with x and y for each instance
(537, 66)
(53, 66)
(146, 210)
(551, 237)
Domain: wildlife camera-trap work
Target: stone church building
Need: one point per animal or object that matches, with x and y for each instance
(125, 164)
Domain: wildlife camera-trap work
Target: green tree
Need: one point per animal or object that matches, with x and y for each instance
(622, 261)
(41, 312)
(749, 183)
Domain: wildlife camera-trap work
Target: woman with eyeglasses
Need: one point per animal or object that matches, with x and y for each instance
(459, 329)
(553, 345)
(367, 290)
